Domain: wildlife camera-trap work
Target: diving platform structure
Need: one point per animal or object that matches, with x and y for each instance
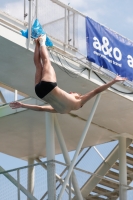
(31, 135)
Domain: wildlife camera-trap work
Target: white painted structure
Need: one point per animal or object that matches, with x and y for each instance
(17, 71)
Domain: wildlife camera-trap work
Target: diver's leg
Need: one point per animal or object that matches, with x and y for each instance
(48, 73)
(37, 62)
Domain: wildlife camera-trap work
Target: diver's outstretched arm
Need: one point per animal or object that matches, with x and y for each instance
(48, 108)
(89, 95)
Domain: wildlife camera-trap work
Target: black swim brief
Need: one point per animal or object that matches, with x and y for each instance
(44, 87)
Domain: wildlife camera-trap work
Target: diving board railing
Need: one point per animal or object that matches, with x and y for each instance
(14, 183)
(58, 20)
(8, 94)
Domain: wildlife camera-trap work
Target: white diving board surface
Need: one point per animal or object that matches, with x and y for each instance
(23, 133)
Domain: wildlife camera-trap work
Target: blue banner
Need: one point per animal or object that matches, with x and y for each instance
(109, 50)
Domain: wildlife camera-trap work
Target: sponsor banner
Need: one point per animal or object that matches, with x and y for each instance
(109, 50)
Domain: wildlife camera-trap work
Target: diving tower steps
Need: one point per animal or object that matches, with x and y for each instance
(108, 185)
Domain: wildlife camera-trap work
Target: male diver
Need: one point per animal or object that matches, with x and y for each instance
(46, 87)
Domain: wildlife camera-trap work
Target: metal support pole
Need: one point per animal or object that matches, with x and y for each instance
(16, 95)
(18, 180)
(80, 144)
(98, 153)
(65, 29)
(67, 158)
(36, 8)
(69, 39)
(70, 182)
(31, 173)
(50, 151)
(24, 9)
(74, 29)
(122, 169)
(56, 175)
(29, 23)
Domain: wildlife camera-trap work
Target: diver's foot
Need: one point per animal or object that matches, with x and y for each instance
(42, 40)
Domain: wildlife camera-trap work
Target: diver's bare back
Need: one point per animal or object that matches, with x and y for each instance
(62, 101)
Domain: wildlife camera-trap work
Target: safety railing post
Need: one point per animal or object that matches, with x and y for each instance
(70, 184)
(69, 39)
(16, 95)
(74, 29)
(36, 8)
(122, 169)
(29, 23)
(18, 180)
(24, 8)
(65, 29)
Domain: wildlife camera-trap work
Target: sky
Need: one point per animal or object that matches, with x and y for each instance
(117, 15)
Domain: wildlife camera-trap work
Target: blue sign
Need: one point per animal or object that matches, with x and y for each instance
(109, 50)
